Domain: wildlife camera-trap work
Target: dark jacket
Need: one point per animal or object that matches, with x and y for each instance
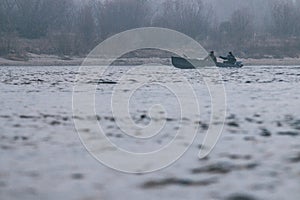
(230, 58)
(212, 57)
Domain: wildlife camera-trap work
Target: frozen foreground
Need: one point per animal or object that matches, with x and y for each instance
(257, 156)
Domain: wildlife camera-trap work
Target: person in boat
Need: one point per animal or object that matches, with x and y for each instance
(212, 57)
(230, 59)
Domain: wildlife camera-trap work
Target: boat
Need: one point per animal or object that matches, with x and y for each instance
(186, 63)
(237, 64)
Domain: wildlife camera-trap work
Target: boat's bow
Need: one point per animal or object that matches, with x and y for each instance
(184, 63)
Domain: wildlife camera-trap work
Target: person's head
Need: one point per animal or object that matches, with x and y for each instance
(212, 52)
(230, 53)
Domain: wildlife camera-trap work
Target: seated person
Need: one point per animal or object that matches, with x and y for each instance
(230, 59)
(211, 57)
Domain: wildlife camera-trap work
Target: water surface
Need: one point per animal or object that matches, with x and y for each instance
(257, 156)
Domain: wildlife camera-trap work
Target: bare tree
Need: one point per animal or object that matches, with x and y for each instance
(8, 36)
(241, 26)
(190, 17)
(34, 17)
(74, 27)
(285, 18)
(236, 33)
(121, 15)
(86, 28)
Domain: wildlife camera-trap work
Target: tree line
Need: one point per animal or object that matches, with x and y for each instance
(67, 27)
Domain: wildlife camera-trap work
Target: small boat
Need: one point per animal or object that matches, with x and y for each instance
(185, 63)
(237, 64)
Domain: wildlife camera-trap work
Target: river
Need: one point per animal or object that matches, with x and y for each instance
(256, 157)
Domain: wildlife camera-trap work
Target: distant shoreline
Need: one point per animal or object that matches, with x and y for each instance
(53, 60)
(271, 61)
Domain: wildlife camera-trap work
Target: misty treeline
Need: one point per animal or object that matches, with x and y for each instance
(70, 27)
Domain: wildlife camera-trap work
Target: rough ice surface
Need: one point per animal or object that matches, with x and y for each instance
(257, 156)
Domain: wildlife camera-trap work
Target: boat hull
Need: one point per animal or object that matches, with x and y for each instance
(183, 63)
